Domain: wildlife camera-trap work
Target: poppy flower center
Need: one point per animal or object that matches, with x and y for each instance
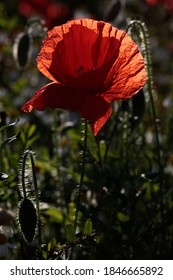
(82, 70)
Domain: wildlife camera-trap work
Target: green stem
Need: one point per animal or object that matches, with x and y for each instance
(112, 134)
(145, 41)
(36, 198)
(137, 24)
(85, 138)
(23, 174)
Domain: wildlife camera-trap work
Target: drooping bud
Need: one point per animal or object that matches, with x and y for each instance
(27, 219)
(22, 50)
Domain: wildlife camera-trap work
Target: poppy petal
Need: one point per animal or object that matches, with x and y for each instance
(80, 50)
(129, 74)
(91, 107)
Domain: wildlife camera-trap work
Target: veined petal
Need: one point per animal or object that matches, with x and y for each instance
(80, 54)
(45, 97)
(91, 107)
(129, 74)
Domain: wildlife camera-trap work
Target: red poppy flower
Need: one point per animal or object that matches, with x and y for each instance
(91, 63)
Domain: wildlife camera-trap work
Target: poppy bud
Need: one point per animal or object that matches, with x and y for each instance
(27, 219)
(22, 50)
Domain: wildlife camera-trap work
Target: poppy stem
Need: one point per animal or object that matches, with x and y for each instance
(111, 136)
(143, 36)
(36, 198)
(83, 154)
(23, 175)
(145, 46)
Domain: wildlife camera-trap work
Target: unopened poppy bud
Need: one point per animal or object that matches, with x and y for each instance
(22, 50)
(27, 219)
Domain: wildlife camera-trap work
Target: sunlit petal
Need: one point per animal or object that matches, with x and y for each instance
(93, 108)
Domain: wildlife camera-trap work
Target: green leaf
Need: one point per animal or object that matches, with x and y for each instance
(31, 130)
(54, 214)
(70, 232)
(28, 136)
(122, 217)
(71, 211)
(51, 245)
(88, 227)
(32, 140)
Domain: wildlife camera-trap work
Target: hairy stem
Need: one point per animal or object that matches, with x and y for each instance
(23, 174)
(143, 36)
(36, 199)
(145, 46)
(82, 171)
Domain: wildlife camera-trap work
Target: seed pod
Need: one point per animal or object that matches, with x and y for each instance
(22, 50)
(27, 219)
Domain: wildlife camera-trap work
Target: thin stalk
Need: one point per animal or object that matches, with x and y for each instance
(23, 174)
(36, 198)
(85, 138)
(145, 44)
(139, 25)
(111, 136)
